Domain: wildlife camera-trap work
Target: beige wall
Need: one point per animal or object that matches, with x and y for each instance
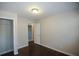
(59, 32)
(23, 31)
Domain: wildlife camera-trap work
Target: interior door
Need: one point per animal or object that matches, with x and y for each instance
(37, 33)
(6, 36)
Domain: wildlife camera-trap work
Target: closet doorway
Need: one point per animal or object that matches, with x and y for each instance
(6, 36)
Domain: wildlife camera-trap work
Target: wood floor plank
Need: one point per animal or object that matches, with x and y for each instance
(36, 50)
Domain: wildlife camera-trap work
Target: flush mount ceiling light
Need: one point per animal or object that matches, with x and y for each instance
(35, 10)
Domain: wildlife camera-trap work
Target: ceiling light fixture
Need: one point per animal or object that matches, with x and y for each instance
(35, 10)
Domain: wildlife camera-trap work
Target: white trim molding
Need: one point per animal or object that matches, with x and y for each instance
(58, 50)
(6, 52)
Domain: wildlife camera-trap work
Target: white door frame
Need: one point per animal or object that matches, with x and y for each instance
(32, 32)
(37, 33)
(15, 49)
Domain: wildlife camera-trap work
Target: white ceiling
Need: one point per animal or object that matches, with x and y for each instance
(47, 8)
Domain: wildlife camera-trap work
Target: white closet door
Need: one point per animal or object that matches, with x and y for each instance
(6, 36)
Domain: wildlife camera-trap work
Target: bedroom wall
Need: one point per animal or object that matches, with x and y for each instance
(60, 32)
(23, 31)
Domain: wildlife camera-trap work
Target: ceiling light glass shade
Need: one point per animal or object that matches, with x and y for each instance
(35, 11)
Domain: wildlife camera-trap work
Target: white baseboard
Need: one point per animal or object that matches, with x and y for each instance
(37, 43)
(59, 50)
(6, 52)
(22, 46)
(15, 52)
(47, 47)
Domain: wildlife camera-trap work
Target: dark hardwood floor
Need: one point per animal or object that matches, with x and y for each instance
(36, 50)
